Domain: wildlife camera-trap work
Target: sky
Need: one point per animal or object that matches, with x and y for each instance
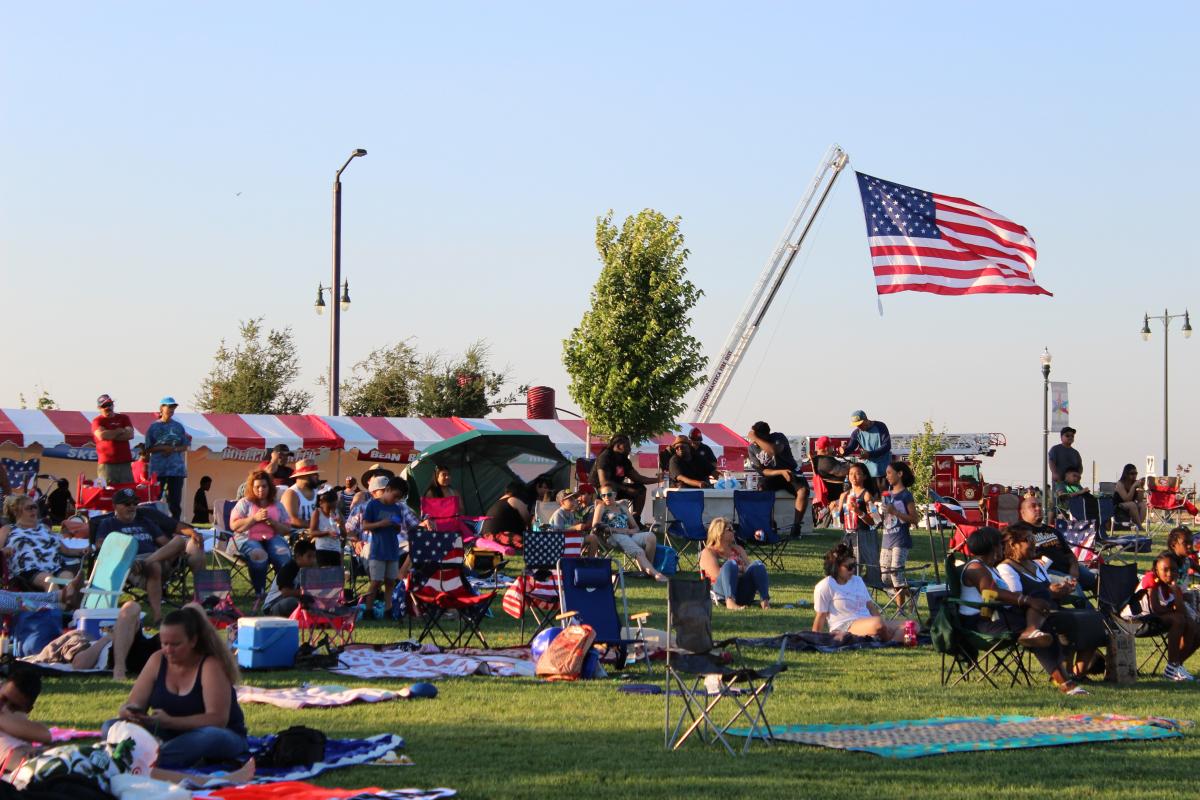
(167, 172)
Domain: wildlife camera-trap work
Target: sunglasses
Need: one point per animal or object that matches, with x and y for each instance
(608, 494)
(850, 565)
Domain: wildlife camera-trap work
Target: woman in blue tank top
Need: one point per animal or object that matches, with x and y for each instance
(185, 695)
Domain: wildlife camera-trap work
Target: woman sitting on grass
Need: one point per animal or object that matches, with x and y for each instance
(737, 580)
(842, 601)
(980, 580)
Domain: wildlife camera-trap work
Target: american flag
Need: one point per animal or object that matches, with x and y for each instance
(442, 552)
(926, 242)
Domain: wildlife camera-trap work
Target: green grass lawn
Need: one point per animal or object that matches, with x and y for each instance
(521, 738)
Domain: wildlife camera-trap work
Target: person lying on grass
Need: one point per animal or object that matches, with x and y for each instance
(125, 650)
(843, 603)
(735, 578)
(18, 732)
(980, 580)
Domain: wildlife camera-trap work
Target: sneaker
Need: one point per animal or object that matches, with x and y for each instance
(1174, 672)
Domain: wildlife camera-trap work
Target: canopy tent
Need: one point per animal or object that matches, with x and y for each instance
(482, 462)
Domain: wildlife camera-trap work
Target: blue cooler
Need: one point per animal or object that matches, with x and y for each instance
(92, 620)
(267, 642)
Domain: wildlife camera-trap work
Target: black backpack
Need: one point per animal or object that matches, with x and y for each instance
(298, 746)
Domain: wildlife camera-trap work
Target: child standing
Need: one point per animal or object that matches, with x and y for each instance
(388, 521)
(325, 528)
(899, 514)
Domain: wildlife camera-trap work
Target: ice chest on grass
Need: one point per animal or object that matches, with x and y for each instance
(267, 642)
(92, 621)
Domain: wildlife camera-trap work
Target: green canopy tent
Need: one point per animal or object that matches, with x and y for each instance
(481, 463)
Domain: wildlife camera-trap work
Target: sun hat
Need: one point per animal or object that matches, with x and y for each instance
(305, 467)
(681, 440)
(858, 417)
(378, 482)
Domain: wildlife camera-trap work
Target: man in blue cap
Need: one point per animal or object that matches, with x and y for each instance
(872, 440)
(167, 441)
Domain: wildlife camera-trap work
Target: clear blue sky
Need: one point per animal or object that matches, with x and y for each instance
(498, 132)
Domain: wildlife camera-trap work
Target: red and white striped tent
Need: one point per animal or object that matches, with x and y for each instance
(374, 438)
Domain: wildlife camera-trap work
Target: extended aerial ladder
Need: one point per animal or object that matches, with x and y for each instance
(764, 291)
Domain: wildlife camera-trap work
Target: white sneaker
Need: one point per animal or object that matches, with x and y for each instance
(1174, 672)
(1180, 669)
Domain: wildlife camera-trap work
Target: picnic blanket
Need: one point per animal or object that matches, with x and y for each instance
(931, 737)
(68, 734)
(306, 696)
(338, 753)
(295, 790)
(369, 663)
(813, 642)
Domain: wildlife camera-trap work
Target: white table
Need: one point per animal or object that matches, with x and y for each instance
(719, 503)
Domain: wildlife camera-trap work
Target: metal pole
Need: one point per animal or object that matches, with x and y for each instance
(1166, 465)
(335, 318)
(1045, 442)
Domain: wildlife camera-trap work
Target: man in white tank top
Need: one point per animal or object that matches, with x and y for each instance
(301, 497)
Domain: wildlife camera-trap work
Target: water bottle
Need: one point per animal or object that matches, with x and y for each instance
(910, 633)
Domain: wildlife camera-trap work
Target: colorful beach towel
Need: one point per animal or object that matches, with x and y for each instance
(295, 790)
(313, 696)
(931, 737)
(426, 667)
(338, 753)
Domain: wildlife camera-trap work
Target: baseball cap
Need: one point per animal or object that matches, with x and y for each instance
(140, 745)
(563, 494)
(103, 400)
(377, 483)
(695, 433)
(125, 497)
(167, 401)
(822, 442)
(857, 417)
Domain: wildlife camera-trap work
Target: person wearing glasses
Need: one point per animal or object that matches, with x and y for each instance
(842, 601)
(687, 469)
(613, 466)
(612, 521)
(34, 553)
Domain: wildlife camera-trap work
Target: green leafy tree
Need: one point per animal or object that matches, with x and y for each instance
(397, 381)
(44, 402)
(925, 446)
(255, 375)
(632, 359)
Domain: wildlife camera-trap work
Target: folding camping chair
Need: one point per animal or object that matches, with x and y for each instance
(107, 581)
(756, 530)
(866, 551)
(225, 550)
(702, 677)
(1119, 597)
(1008, 511)
(445, 514)
(213, 589)
(687, 530)
(325, 619)
(968, 652)
(536, 588)
(822, 502)
(1165, 504)
(587, 595)
(438, 585)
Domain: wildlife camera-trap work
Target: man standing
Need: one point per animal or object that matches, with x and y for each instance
(872, 440)
(277, 465)
(112, 433)
(1063, 457)
(614, 467)
(167, 441)
(771, 457)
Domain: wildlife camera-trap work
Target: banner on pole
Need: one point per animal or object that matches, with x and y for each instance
(1060, 408)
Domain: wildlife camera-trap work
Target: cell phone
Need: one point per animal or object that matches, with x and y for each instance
(136, 709)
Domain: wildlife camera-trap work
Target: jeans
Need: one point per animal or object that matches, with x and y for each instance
(742, 587)
(186, 749)
(172, 489)
(277, 552)
(1087, 579)
(283, 607)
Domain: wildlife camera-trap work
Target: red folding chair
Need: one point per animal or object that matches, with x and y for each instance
(324, 619)
(1165, 502)
(438, 585)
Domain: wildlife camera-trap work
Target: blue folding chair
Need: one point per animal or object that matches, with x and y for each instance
(755, 528)
(587, 595)
(687, 530)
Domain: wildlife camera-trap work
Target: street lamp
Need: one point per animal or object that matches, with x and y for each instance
(1187, 333)
(335, 318)
(1046, 358)
(319, 306)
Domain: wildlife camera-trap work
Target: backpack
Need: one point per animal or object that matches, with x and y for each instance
(298, 746)
(941, 629)
(564, 656)
(666, 559)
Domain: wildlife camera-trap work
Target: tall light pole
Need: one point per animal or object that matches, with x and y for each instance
(1187, 332)
(1045, 359)
(335, 318)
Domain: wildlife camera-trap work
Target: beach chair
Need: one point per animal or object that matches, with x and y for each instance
(755, 528)
(213, 589)
(970, 653)
(1008, 511)
(445, 514)
(1120, 599)
(866, 550)
(1165, 505)
(325, 619)
(22, 474)
(536, 588)
(587, 594)
(700, 673)
(224, 548)
(438, 585)
(107, 581)
(687, 532)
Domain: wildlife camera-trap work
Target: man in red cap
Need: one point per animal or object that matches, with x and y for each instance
(112, 433)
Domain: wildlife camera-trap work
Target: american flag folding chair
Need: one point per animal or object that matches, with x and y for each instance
(536, 588)
(324, 619)
(755, 528)
(438, 585)
(22, 474)
(687, 531)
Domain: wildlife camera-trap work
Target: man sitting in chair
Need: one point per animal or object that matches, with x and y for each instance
(161, 540)
(771, 457)
(1051, 544)
(614, 468)
(689, 470)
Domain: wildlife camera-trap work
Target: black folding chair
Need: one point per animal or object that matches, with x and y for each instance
(866, 550)
(1117, 590)
(697, 671)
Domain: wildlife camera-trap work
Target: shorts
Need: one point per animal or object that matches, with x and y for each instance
(138, 579)
(631, 544)
(891, 566)
(115, 473)
(383, 570)
(8, 746)
(140, 650)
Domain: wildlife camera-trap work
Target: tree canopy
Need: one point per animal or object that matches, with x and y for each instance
(255, 375)
(632, 359)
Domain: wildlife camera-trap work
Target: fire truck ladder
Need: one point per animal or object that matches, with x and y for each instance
(768, 284)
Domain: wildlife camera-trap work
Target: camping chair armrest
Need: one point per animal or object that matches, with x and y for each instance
(90, 590)
(725, 643)
(958, 601)
(640, 616)
(566, 615)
